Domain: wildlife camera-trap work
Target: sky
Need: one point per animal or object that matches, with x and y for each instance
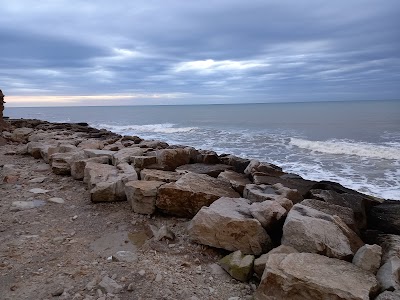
(127, 52)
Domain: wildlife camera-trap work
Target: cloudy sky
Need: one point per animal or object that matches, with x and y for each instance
(123, 52)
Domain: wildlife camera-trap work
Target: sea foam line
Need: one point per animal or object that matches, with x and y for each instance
(348, 148)
(156, 128)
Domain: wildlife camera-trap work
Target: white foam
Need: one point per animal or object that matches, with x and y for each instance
(156, 128)
(348, 148)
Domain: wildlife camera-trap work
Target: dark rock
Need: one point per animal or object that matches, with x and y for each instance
(239, 164)
(385, 217)
(208, 169)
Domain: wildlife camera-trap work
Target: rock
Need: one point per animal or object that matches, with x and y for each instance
(239, 164)
(311, 276)
(21, 135)
(170, 159)
(164, 233)
(256, 167)
(190, 193)
(124, 155)
(142, 195)
(33, 148)
(238, 265)
(368, 258)
(389, 296)
(228, 224)
(355, 202)
(61, 162)
(237, 181)
(37, 179)
(268, 213)
(206, 157)
(277, 192)
(159, 175)
(24, 205)
(11, 179)
(290, 181)
(153, 144)
(201, 168)
(259, 263)
(388, 275)
(110, 286)
(125, 256)
(57, 292)
(38, 191)
(158, 277)
(309, 230)
(385, 217)
(56, 200)
(345, 213)
(390, 244)
(91, 144)
(141, 162)
(90, 153)
(78, 166)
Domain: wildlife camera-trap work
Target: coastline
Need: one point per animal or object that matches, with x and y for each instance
(94, 212)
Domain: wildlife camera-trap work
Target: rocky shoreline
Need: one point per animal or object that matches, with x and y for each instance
(278, 235)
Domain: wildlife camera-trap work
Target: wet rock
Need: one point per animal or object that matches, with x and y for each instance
(190, 193)
(159, 175)
(259, 263)
(309, 230)
(110, 286)
(368, 258)
(228, 224)
(256, 167)
(292, 181)
(312, 276)
(201, 168)
(388, 275)
(142, 195)
(385, 217)
(238, 265)
(237, 181)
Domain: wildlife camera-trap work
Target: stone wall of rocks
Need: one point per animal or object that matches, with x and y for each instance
(303, 239)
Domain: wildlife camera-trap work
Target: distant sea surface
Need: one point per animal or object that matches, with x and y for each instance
(354, 143)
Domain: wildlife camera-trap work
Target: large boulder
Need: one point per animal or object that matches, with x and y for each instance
(141, 162)
(78, 166)
(256, 167)
(201, 168)
(389, 274)
(228, 224)
(141, 195)
(170, 159)
(21, 134)
(268, 213)
(237, 181)
(368, 257)
(238, 265)
(309, 230)
(385, 217)
(159, 175)
(96, 153)
(259, 263)
(239, 164)
(124, 155)
(300, 276)
(292, 181)
(185, 197)
(390, 244)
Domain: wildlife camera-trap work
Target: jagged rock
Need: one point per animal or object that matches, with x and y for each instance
(345, 213)
(388, 274)
(299, 276)
(389, 295)
(159, 175)
(256, 167)
(368, 257)
(33, 148)
(385, 217)
(309, 230)
(390, 244)
(207, 157)
(96, 172)
(142, 195)
(259, 263)
(239, 164)
(238, 265)
(201, 168)
(78, 166)
(292, 181)
(170, 159)
(237, 181)
(268, 213)
(190, 193)
(91, 144)
(153, 144)
(21, 134)
(97, 153)
(110, 285)
(61, 162)
(124, 155)
(228, 224)
(141, 162)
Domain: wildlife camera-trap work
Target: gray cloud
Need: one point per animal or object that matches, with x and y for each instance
(226, 51)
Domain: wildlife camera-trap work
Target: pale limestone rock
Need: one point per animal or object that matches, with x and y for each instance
(238, 265)
(259, 263)
(262, 192)
(309, 230)
(124, 155)
(141, 162)
(257, 167)
(142, 195)
(91, 144)
(97, 153)
(190, 193)
(389, 274)
(212, 170)
(238, 181)
(368, 257)
(228, 224)
(170, 159)
(78, 166)
(268, 213)
(125, 256)
(21, 134)
(159, 175)
(300, 276)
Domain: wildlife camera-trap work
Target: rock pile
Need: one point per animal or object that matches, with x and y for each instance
(301, 239)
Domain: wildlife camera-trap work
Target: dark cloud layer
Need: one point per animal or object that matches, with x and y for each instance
(196, 52)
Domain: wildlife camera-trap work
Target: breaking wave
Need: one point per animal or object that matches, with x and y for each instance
(348, 148)
(155, 128)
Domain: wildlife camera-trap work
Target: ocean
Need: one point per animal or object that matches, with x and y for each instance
(354, 143)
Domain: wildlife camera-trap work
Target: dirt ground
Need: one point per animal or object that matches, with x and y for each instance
(61, 249)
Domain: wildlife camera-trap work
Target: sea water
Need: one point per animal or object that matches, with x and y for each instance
(354, 143)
